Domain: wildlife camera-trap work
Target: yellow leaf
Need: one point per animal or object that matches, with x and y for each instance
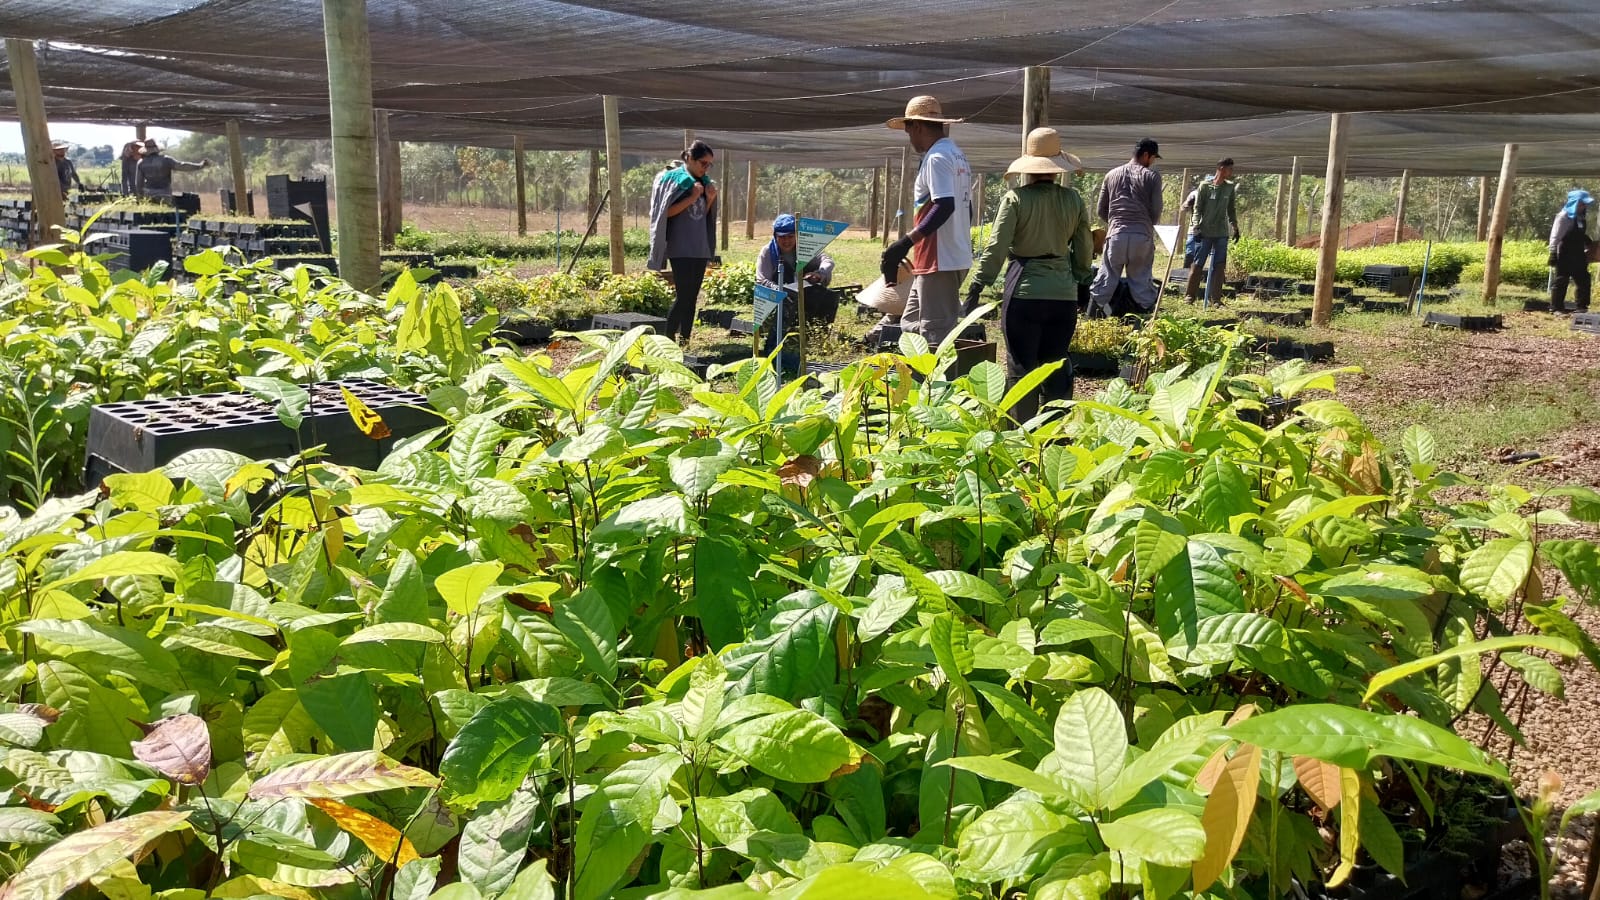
(1349, 825)
(332, 528)
(255, 886)
(370, 423)
(1365, 470)
(1206, 780)
(1320, 779)
(1227, 814)
(379, 836)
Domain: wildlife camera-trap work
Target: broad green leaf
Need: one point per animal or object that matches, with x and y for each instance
(344, 775)
(93, 716)
(1157, 540)
(497, 747)
(532, 883)
(1219, 637)
(1227, 814)
(495, 842)
(1419, 445)
(797, 745)
(887, 520)
(122, 563)
(1027, 383)
(287, 399)
(1029, 727)
(1179, 742)
(1224, 492)
(586, 621)
(793, 661)
(1091, 744)
(473, 447)
(967, 587)
(84, 854)
(396, 631)
(995, 768)
(463, 588)
(695, 466)
(617, 821)
(21, 825)
(1489, 645)
(1497, 570)
(1167, 837)
(722, 588)
(1351, 738)
(1005, 842)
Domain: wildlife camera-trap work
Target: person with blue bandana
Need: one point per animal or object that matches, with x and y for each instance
(775, 268)
(1569, 251)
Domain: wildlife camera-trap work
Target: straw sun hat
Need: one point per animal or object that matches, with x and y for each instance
(1043, 147)
(921, 109)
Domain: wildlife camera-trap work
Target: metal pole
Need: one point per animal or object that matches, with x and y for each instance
(1497, 225)
(614, 180)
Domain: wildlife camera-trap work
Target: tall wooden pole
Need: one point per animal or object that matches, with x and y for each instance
(905, 193)
(872, 204)
(355, 158)
(520, 164)
(140, 130)
(1277, 208)
(1400, 206)
(1177, 208)
(614, 180)
(49, 211)
(1035, 100)
(725, 197)
(750, 200)
(1483, 207)
(1293, 229)
(594, 182)
(390, 212)
(1497, 225)
(1332, 207)
(241, 181)
(688, 137)
(888, 204)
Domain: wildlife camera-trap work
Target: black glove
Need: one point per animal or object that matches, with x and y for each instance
(974, 298)
(1552, 259)
(893, 256)
(1236, 235)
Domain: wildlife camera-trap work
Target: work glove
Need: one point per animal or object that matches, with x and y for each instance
(1236, 235)
(974, 298)
(1552, 259)
(893, 256)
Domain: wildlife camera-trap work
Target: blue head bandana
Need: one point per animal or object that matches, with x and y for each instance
(1574, 198)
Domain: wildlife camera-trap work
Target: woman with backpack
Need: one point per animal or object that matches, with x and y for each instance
(683, 232)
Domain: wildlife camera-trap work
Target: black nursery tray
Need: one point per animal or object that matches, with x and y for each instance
(716, 318)
(1095, 365)
(625, 321)
(1288, 319)
(1586, 321)
(1465, 323)
(523, 331)
(1383, 306)
(1536, 306)
(1284, 348)
(141, 435)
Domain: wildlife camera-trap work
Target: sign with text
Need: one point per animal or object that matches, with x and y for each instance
(767, 300)
(813, 235)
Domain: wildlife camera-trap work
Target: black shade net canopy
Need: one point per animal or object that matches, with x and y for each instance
(1441, 85)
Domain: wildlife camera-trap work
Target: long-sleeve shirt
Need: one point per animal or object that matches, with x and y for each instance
(1569, 243)
(1047, 225)
(153, 178)
(1214, 213)
(67, 173)
(1130, 199)
(775, 270)
(692, 233)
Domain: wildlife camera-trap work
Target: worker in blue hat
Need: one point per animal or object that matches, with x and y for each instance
(775, 268)
(1569, 251)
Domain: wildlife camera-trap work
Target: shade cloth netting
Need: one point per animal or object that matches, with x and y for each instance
(1445, 83)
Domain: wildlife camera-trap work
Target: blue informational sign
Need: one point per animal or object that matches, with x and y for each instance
(767, 301)
(813, 235)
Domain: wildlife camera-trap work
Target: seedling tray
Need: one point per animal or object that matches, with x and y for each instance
(1465, 323)
(742, 327)
(1094, 365)
(1586, 321)
(1536, 306)
(716, 318)
(1288, 319)
(523, 331)
(1383, 306)
(141, 435)
(1284, 348)
(624, 321)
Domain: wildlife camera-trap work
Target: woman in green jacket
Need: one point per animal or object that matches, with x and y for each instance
(1042, 236)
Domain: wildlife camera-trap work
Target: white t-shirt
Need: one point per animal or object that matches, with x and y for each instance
(944, 173)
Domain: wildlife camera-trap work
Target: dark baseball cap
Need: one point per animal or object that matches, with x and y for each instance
(1148, 145)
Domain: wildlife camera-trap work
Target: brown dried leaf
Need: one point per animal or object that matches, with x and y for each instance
(1293, 586)
(178, 747)
(46, 714)
(800, 471)
(1320, 780)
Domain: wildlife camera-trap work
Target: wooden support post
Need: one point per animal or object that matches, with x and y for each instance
(1483, 210)
(1332, 206)
(977, 199)
(905, 193)
(49, 211)
(1497, 225)
(1400, 206)
(355, 158)
(390, 205)
(1277, 208)
(872, 204)
(1035, 100)
(1177, 208)
(141, 130)
(688, 137)
(241, 180)
(888, 204)
(725, 197)
(594, 182)
(750, 200)
(519, 161)
(614, 181)
(1292, 230)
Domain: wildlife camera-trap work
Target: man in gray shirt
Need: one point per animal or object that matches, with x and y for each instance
(1130, 203)
(153, 177)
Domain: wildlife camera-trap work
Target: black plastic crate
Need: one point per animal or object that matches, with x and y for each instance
(141, 435)
(625, 321)
(716, 318)
(1385, 270)
(285, 193)
(226, 196)
(142, 249)
(1294, 318)
(1586, 321)
(1285, 348)
(744, 327)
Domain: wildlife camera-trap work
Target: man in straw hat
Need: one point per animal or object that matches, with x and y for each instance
(66, 172)
(1042, 236)
(940, 246)
(1130, 204)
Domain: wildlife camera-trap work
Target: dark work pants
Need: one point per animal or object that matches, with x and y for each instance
(687, 275)
(1038, 332)
(1558, 288)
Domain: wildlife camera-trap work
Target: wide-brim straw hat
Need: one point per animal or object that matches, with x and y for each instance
(1041, 150)
(922, 109)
